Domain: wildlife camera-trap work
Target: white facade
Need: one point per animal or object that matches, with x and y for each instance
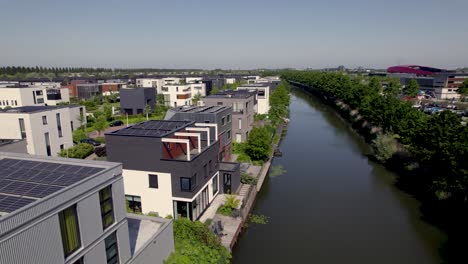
(262, 96)
(160, 200)
(31, 96)
(447, 93)
(55, 123)
(230, 80)
(181, 94)
(193, 79)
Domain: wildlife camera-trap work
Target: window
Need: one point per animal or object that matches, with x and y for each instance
(47, 142)
(229, 134)
(69, 230)
(16, 102)
(72, 128)
(40, 100)
(220, 103)
(215, 184)
(38, 92)
(44, 120)
(240, 123)
(185, 184)
(153, 181)
(134, 203)
(223, 121)
(107, 208)
(61, 147)
(22, 128)
(228, 118)
(59, 125)
(207, 121)
(112, 251)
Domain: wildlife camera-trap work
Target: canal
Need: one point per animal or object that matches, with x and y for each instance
(333, 205)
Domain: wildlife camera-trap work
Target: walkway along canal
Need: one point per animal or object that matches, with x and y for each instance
(333, 205)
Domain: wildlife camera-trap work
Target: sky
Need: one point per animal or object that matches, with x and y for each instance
(236, 34)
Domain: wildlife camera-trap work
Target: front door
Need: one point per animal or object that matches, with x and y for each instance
(227, 183)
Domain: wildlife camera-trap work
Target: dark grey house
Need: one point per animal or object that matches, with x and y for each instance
(221, 115)
(243, 103)
(134, 100)
(169, 167)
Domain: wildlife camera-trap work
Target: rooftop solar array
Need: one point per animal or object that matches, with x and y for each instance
(33, 109)
(152, 128)
(232, 94)
(200, 109)
(24, 181)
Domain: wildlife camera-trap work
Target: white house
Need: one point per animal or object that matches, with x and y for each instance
(17, 96)
(263, 96)
(40, 130)
(181, 94)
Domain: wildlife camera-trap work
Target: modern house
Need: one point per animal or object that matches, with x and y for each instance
(170, 167)
(182, 94)
(85, 91)
(57, 211)
(263, 91)
(24, 95)
(243, 103)
(134, 100)
(220, 115)
(111, 87)
(40, 130)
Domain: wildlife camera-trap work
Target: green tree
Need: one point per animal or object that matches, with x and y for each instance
(107, 111)
(412, 88)
(78, 135)
(463, 89)
(258, 145)
(215, 90)
(160, 99)
(375, 84)
(393, 87)
(196, 98)
(100, 124)
(385, 145)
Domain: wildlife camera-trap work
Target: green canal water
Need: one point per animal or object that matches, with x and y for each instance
(333, 205)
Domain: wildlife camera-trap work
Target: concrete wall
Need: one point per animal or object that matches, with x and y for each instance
(16, 97)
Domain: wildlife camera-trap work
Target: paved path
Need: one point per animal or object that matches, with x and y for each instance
(213, 208)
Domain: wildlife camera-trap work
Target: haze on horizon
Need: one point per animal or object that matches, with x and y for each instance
(234, 34)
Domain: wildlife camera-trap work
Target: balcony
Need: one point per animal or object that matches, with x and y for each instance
(184, 96)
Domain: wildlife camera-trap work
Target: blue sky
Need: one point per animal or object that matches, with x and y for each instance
(234, 34)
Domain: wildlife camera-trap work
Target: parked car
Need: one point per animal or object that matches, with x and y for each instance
(91, 141)
(116, 123)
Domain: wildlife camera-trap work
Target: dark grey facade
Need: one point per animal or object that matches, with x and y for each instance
(221, 115)
(229, 175)
(243, 104)
(134, 100)
(145, 153)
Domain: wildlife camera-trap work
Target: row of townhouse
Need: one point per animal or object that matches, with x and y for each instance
(69, 211)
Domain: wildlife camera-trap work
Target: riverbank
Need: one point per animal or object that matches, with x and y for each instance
(445, 214)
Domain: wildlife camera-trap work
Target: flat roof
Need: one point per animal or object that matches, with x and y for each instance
(255, 85)
(25, 179)
(142, 230)
(152, 128)
(232, 94)
(199, 109)
(35, 108)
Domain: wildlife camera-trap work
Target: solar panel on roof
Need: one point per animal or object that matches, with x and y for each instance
(9, 204)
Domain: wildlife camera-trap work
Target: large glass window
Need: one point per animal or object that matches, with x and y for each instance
(133, 203)
(44, 120)
(112, 251)
(59, 125)
(107, 208)
(70, 231)
(47, 143)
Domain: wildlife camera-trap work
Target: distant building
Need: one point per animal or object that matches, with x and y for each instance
(263, 92)
(220, 115)
(243, 103)
(72, 87)
(55, 210)
(134, 100)
(18, 96)
(109, 88)
(441, 84)
(40, 130)
(86, 91)
(181, 94)
(171, 167)
(273, 81)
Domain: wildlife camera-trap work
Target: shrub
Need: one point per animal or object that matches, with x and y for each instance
(248, 179)
(79, 151)
(155, 214)
(196, 243)
(228, 207)
(258, 219)
(258, 144)
(78, 135)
